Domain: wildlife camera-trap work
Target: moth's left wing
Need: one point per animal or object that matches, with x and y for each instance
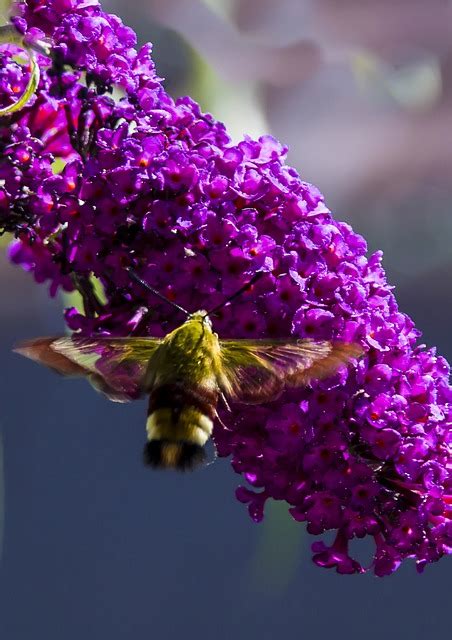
(255, 371)
(114, 366)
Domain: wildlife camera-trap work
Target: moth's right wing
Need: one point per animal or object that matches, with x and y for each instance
(114, 366)
(255, 371)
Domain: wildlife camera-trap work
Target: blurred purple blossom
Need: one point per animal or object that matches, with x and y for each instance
(389, 79)
(155, 184)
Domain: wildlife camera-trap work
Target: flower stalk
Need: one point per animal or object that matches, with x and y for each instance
(10, 36)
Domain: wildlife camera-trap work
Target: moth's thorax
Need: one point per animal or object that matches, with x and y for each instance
(190, 353)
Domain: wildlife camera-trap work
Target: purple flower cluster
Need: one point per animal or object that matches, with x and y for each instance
(91, 185)
(89, 40)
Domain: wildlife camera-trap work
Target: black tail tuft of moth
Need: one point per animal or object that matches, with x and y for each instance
(179, 455)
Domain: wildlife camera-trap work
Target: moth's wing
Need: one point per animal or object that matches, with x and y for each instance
(114, 366)
(322, 361)
(255, 371)
(244, 376)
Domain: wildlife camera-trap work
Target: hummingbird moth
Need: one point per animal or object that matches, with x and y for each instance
(186, 373)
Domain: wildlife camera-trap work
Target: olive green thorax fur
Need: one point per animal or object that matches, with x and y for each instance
(189, 354)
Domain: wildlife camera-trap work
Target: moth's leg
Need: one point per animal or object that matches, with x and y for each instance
(226, 404)
(214, 453)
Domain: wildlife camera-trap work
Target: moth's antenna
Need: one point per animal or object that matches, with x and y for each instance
(238, 293)
(147, 286)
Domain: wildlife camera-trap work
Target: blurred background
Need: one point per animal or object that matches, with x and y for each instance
(94, 545)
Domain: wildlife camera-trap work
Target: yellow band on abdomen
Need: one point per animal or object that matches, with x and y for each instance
(189, 425)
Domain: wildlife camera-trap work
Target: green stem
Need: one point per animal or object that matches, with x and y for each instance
(10, 35)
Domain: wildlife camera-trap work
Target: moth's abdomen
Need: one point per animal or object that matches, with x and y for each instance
(180, 421)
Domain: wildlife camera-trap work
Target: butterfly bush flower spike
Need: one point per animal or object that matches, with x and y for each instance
(95, 182)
